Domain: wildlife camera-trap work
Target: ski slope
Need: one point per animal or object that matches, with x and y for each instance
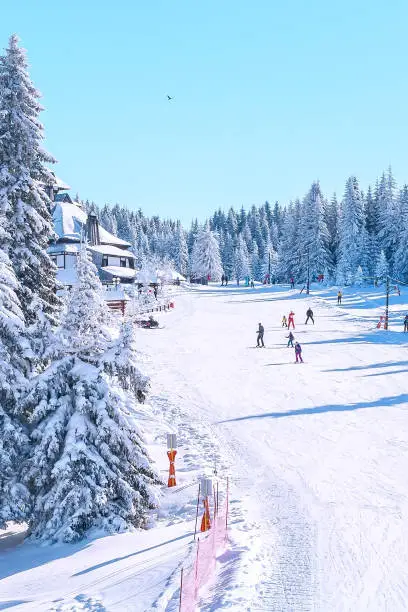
(317, 454)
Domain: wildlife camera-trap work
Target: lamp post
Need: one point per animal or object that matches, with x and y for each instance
(269, 269)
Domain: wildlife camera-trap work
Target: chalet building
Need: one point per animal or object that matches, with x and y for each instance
(72, 225)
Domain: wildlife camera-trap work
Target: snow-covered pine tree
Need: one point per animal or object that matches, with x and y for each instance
(23, 177)
(256, 263)
(241, 260)
(382, 269)
(313, 233)
(206, 259)
(350, 231)
(88, 468)
(15, 357)
(121, 363)
(401, 256)
(270, 261)
(388, 216)
(180, 256)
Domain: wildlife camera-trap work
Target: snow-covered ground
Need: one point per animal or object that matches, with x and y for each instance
(317, 455)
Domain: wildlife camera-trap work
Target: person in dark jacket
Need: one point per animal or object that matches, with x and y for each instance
(291, 339)
(406, 323)
(309, 315)
(222, 280)
(298, 352)
(260, 332)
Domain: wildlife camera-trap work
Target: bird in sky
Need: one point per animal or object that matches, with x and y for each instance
(170, 97)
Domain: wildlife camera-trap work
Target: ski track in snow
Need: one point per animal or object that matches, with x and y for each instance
(308, 488)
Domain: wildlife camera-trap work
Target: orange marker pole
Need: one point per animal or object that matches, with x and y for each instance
(172, 469)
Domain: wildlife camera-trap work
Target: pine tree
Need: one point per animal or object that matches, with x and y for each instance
(401, 256)
(23, 177)
(382, 269)
(180, 257)
(314, 235)
(206, 259)
(351, 232)
(88, 468)
(241, 261)
(15, 357)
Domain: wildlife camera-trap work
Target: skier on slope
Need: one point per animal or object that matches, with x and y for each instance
(298, 352)
(291, 319)
(309, 315)
(339, 296)
(291, 339)
(259, 339)
(284, 321)
(406, 323)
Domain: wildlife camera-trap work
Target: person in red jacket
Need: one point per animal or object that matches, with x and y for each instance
(291, 319)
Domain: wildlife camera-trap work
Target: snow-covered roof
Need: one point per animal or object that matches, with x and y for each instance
(70, 221)
(119, 271)
(109, 249)
(108, 238)
(63, 247)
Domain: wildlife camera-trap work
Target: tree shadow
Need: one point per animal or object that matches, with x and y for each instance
(372, 366)
(30, 555)
(383, 402)
(133, 554)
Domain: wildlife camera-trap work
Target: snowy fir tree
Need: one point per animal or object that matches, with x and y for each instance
(206, 259)
(122, 363)
(88, 468)
(401, 255)
(241, 261)
(23, 177)
(382, 269)
(351, 231)
(15, 365)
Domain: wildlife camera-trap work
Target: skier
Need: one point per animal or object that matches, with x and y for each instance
(309, 315)
(284, 321)
(252, 283)
(222, 280)
(298, 352)
(292, 282)
(260, 332)
(406, 323)
(226, 280)
(339, 296)
(291, 319)
(291, 339)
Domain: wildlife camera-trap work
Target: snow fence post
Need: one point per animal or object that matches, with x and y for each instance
(171, 453)
(181, 590)
(206, 490)
(198, 503)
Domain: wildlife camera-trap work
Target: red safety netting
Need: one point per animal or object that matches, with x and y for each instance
(203, 567)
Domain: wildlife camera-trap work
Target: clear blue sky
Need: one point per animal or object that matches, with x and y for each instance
(268, 96)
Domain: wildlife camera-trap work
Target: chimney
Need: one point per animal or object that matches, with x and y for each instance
(92, 230)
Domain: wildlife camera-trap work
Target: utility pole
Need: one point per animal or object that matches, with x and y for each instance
(269, 269)
(387, 303)
(308, 272)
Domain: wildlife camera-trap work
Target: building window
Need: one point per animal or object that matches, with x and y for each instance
(123, 262)
(104, 261)
(132, 264)
(61, 261)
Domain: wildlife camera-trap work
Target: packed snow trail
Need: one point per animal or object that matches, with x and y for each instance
(318, 450)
